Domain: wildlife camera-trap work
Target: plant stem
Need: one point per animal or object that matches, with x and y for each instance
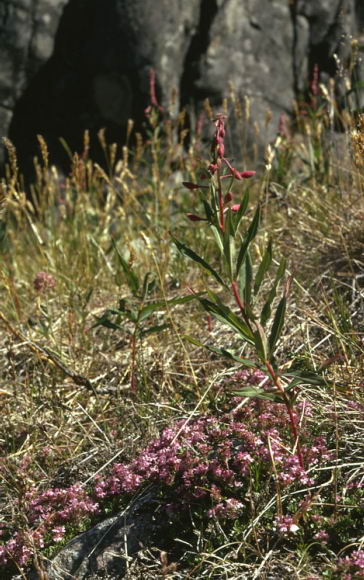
(221, 202)
(292, 420)
(275, 379)
(240, 303)
(133, 381)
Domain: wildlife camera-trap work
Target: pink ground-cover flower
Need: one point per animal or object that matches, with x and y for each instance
(44, 282)
(207, 461)
(352, 565)
(286, 525)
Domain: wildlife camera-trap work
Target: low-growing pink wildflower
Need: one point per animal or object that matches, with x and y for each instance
(44, 282)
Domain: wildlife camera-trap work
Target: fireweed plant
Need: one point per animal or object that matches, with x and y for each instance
(223, 217)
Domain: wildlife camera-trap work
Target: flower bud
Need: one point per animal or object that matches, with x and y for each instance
(242, 174)
(192, 186)
(195, 218)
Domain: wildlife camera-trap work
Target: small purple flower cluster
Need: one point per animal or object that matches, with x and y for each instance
(44, 282)
(351, 566)
(285, 525)
(47, 513)
(207, 460)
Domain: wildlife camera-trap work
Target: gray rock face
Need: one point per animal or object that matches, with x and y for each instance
(68, 65)
(27, 34)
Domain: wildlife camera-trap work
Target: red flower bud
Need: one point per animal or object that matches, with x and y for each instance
(195, 218)
(235, 207)
(242, 174)
(193, 186)
(247, 174)
(228, 197)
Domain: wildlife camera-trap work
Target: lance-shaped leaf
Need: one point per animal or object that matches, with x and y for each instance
(106, 322)
(229, 245)
(131, 277)
(304, 378)
(246, 279)
(263, 267)
(218, 238)
(242, 209)
(250, 235)
(255, 393)
(267, 308)
(148, 309)
(153, 329)
(261, 342)
(223, 352)
(191, 254)
(227, 316)
(208, 211)
(277, 324)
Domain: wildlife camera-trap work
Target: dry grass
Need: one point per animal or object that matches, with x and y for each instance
(66, 403)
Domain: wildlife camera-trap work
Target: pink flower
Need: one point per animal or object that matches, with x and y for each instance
(44, 282)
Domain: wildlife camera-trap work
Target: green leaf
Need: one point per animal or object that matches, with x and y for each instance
(304, 378)
(162, 304)
(261, 343)
(191, 254)
(152, 329)
(243, 207)
(107, 324)
(266, 310)
(227, 316)
(277, 324)
(263, 267)
(229, 244)
(208, 211)
(251, 233)
(131, 277)
(223, 352)
(246, 279)
(253, 392)
(218, 238)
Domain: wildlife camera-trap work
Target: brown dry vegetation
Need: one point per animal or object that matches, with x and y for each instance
(67, 407)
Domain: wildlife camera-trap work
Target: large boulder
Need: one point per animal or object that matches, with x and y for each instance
(67, 66)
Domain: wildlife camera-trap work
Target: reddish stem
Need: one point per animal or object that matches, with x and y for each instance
(221, 202)
(275, 378)
(292, 419)
(133, 381)
(240, 303)
(234, 286)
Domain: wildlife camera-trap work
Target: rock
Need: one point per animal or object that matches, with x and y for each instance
(102, 551)
(71, 65)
